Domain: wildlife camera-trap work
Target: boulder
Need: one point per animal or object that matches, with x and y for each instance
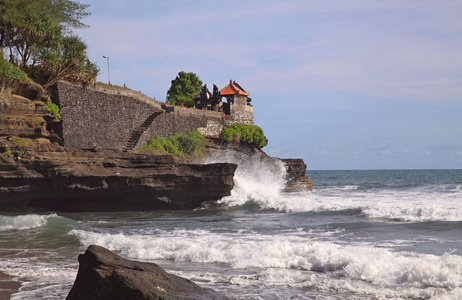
(105, 275)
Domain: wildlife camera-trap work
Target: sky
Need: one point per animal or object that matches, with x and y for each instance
(343, 84)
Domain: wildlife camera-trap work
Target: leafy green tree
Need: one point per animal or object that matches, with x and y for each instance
(66, 60)
(37, 35)
(183, 88)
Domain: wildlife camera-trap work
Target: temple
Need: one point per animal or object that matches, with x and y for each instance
(234, 95)
(235, 108)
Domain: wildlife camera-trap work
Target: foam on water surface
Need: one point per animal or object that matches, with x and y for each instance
(262, 182)
(377, 266)
(340, 241)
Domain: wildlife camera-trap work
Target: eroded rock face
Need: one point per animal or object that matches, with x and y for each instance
(296, 175)
(105, 275)
(101, 181)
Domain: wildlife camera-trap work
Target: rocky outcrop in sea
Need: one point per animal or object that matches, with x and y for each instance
(104, 275)
(37, 173)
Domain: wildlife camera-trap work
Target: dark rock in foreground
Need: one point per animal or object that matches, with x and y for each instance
(104, 275)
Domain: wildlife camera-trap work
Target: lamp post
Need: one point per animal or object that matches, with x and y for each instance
(108, 73)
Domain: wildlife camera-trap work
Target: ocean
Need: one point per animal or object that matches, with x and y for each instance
(381, 234)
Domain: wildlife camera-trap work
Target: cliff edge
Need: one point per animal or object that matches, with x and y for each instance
(38, 174)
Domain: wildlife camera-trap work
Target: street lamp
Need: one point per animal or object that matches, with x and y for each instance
(108, 74)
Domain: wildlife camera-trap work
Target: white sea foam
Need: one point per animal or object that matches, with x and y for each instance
(402, 207)
(377, 266)
(45, 274)
(24, 221)
(262, 181)
(256, 179)
(43, 281)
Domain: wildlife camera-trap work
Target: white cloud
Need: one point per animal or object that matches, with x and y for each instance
(394, 49)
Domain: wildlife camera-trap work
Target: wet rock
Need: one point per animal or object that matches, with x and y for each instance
(102, 181)
(296, 175)
(105, 275)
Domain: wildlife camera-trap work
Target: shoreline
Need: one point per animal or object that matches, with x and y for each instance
(8, 285)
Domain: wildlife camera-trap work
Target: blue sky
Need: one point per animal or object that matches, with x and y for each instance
(348, 84)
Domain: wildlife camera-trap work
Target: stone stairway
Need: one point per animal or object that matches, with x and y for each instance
(136, 134)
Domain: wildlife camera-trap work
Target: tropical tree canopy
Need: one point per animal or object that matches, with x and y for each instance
(183, 88)
(36, 36)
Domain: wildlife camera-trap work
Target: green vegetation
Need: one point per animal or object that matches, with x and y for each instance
(53, 108)
(23, 143)
(243, 133)
(113, 86)
(37, 37)
(183, 88)
(183, 144)
(6, 156)
(10, 73)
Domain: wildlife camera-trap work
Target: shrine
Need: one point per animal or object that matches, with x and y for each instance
(234, 95)
(236, 107)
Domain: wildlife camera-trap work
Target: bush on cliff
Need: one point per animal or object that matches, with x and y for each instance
(54, 109)
(9, 73)
(243, 133)
(183, 144)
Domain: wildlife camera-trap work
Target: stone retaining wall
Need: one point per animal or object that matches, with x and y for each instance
(97, 119)
(104, 117)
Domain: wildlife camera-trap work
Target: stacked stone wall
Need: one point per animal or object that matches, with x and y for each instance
(240, 117)
(95, 119)
(104, 117)
(213, 129)
(169, 123)
(113, 90)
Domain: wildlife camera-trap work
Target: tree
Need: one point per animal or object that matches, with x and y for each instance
(183, 88)
(37, 35)
(66, 60)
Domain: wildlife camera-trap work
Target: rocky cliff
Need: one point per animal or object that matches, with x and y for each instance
(38, 174)
(87, 181)
(296, 175)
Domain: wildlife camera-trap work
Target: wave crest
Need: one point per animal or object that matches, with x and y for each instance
(375, 265)
(24, 222)
(257, 178)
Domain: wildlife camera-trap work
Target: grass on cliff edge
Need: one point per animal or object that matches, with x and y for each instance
(182, 144)
(10, 73)
(243, 133)
(54, 109)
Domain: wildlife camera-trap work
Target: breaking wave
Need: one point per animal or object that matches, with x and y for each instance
(377, 266)
(262, 181)
(257, 178)
(24, 221)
